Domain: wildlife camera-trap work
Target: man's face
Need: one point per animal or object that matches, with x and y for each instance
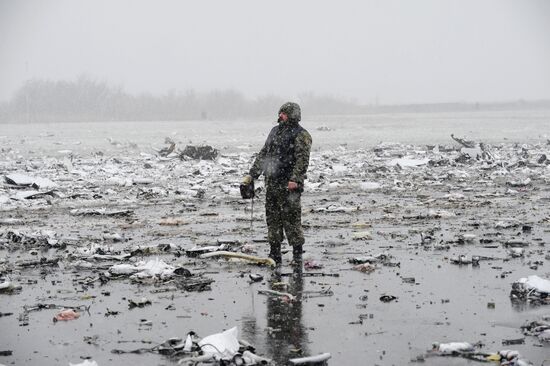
(283, 117)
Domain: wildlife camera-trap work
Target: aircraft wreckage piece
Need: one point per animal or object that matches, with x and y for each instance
(283, 295)
(323, 357)
(225, 254)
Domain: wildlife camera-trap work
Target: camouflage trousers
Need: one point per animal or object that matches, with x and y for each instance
(283, 212)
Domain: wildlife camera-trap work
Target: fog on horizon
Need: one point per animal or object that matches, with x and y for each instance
(369, 52)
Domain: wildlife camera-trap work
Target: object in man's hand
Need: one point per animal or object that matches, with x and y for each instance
(247, 190)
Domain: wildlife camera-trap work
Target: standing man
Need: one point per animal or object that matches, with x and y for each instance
(283, 161)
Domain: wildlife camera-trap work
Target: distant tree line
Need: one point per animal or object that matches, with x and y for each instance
(86, 100)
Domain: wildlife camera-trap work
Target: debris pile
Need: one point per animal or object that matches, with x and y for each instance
(199, 152)
(471, 352)
(538, 328)
(221, 349)
(532, 289)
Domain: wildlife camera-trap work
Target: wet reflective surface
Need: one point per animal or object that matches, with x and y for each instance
(436, 301)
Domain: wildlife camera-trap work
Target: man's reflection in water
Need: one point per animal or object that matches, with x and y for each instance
(287, 337)
(249, 324)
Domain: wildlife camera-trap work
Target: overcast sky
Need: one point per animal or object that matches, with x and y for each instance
(386, 51)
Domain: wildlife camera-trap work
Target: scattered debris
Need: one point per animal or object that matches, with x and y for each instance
(199, 152)
(8, 287)
(532, 289)
(164, 152)
(282, 295)
(101, 212)
(478, 206)
(362, 235)
(539, 329)
(254, 277)
(310, 264)
(138, 303)
(388, 298)
(365, 268)
(223, 348)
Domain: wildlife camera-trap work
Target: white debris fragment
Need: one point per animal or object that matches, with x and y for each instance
(369, 186)
(519, 183)
(468, 238)
(19, 179)
(25, 181)
(311, 360)
(6, 285)
(507, 224)
(119, 181)
(508, 354)
(84, 363)
(142, 269)
(362, 235)
(453, 347)
(473, 152)
(154, 268)
(535, 283)
(408, 162)
(440, 214)
(123, 269)
(221, 345)
(113, 236)
(457, 173)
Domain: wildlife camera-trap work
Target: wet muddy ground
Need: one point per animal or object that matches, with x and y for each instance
(416, 208)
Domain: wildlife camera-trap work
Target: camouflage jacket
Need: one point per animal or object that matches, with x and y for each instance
(285, 155)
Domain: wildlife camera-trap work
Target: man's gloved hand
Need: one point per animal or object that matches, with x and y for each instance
(247, 180)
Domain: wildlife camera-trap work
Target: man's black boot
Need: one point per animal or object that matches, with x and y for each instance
(275, 254)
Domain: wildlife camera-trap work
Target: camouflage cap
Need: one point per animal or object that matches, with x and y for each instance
(292, 110)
